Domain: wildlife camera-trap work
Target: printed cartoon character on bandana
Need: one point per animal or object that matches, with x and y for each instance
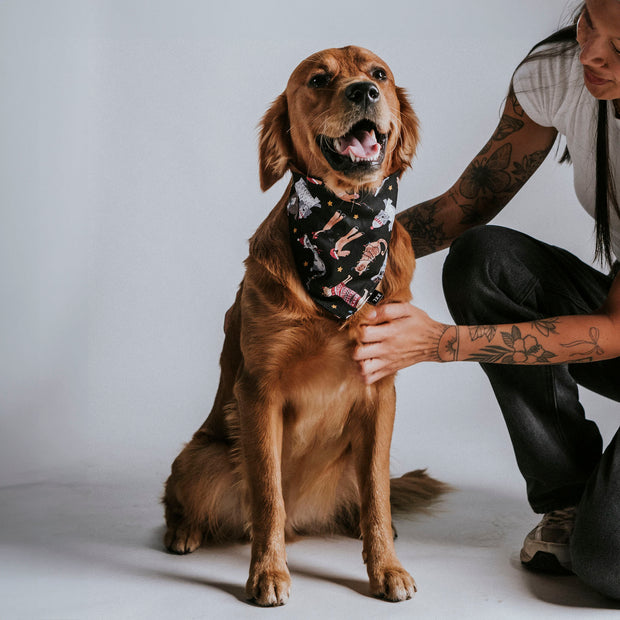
(372, 250)
(337, 244)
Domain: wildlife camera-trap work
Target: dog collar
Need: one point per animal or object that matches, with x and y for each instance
(340, 246)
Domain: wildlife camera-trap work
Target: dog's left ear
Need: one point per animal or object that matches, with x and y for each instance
(409, 133)
(274, 149)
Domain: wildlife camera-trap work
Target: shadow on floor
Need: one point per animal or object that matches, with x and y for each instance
(115, 527)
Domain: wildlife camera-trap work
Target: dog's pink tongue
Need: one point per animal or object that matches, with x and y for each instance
(360, 144)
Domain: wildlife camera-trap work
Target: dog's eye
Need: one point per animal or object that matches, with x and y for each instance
(379, 74)
(320, 80)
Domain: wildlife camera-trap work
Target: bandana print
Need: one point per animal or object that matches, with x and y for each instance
(341, 247)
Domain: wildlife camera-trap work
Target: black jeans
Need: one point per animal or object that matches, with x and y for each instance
(496, 275)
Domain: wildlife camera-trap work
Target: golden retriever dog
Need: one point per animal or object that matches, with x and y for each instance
(296, 443)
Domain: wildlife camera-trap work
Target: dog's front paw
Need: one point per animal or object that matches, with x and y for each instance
(268, 588)
(392, 584)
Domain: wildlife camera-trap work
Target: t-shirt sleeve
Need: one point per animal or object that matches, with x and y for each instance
(541, 86)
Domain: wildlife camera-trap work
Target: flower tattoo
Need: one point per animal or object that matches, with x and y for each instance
(518, 349)
(487, 175)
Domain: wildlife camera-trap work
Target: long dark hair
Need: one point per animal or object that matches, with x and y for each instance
(561, 42)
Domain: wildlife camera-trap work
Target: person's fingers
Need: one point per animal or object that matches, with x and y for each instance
(387, 312)
(380, 331)
(372, 333)
(374, 372)
(367, 351)
(371, 367)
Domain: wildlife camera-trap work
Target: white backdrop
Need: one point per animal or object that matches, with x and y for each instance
(129, 188)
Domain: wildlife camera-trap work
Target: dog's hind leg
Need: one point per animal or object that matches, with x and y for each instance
(216, 426)
(201, 494)
(203, 498)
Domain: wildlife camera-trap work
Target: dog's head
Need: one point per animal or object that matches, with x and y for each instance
(341, 119)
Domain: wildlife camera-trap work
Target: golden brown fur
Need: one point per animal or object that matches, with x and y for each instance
(295, 442)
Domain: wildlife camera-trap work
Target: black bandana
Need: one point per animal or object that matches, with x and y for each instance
(341, 247)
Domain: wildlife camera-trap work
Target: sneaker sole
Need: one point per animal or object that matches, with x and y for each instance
(544, 562)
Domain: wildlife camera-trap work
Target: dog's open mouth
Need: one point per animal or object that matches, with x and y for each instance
(362, 148)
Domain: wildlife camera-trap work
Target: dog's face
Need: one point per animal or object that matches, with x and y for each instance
(341, 119)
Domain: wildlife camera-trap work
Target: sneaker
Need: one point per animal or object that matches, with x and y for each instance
(546, 547)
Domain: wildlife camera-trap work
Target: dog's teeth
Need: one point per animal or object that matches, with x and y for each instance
(356, 159)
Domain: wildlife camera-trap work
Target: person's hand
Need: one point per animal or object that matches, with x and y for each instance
(396, 336)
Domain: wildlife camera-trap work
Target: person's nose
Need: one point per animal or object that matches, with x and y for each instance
(593, 52)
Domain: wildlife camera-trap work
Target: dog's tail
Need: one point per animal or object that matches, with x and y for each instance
(415, 491)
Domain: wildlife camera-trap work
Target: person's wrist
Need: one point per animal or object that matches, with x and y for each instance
(447, 343)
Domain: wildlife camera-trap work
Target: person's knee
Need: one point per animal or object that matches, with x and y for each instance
(595, 554)
(472, 270)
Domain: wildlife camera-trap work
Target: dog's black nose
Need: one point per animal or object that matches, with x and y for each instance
(362, 93)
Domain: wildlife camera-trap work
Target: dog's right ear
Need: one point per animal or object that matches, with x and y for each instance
(274, 149)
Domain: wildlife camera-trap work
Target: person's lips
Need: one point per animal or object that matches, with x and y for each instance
(593, 78)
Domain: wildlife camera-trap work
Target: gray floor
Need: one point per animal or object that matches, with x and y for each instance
(87, 544)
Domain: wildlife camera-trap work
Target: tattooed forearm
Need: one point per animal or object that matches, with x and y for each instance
(482, 331)
(587, 346)
(448, 345)
(426, 229)
(558, 340)
(545, 326)
(516, 349)
(472, 215)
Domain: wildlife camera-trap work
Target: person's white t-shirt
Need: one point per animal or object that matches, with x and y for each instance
(553, 94)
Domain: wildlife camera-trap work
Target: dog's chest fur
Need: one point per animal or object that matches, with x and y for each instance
(320, 390)
(315, 377)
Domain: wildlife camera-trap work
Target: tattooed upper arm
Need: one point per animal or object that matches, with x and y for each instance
(510, 157)
(516, 149)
